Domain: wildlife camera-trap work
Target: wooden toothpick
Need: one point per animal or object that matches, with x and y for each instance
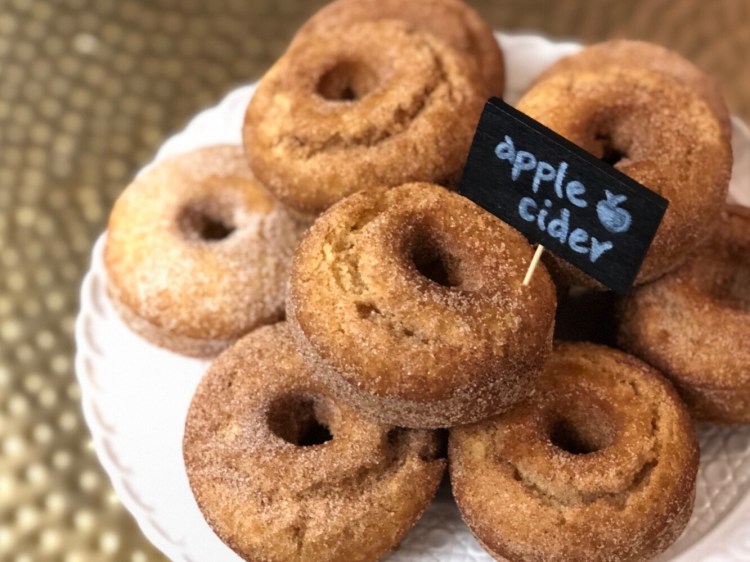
(534, 263)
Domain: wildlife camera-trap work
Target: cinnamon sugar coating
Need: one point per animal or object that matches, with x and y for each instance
(197, 252)
(410, 303)
(694, 324)
(269, 483)
(382, 104)
(625, 52)
(452, 21)
(600, 465)
(656, 129)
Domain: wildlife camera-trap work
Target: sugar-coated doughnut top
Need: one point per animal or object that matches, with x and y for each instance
(197, 249)
(416, 293)
(284, 472)
(657, 127)
(333, 117)
(600, 465)
(694, 323)
(452, 21)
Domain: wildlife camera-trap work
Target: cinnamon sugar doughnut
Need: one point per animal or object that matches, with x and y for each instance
(653, 128)
(694, 324)
(451, 21)
(197, 253)
(410, 302)
(284, 472)
(622, 52)
(599, 465)
(382, 104)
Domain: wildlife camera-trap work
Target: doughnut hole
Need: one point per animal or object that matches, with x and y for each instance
(347, 81)
(206, 221)
(581, 430)
(434, 261)
(609, 151)
(300, 419)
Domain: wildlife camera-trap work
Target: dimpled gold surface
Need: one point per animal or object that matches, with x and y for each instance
(88, 90)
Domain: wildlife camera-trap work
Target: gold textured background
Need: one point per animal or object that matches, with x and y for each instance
(88, 90)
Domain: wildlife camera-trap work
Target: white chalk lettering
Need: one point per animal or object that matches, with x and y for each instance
(598, 248)
(524, 162)
(506, 150)
(558, 228)
(557, 224)
(577, 240)
(525, 207)
(544, 172)
(559, 178)
(573, 191)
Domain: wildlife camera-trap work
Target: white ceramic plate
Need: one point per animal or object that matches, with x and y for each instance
(136, 396)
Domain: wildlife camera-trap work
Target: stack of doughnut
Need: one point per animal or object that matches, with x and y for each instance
(371, 328)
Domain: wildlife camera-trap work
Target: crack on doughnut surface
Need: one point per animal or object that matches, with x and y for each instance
(616, 499)
(370, 312)
(585, 441)
(395, 449)
(400, 120)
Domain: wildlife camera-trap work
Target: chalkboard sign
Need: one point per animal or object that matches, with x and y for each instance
(560, 196)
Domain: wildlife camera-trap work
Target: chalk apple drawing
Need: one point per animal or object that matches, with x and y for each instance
(613, 217)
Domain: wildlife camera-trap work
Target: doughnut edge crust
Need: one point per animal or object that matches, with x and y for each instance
(185, 238)
(691, 335)
(452, 21)
(629, 111)
(406, 350)
(655, 57)
(272, 500)
(557, 519)
(411, 119)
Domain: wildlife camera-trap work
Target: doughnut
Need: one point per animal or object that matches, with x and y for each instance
(197, 253)
(623, 52)
(600, 465)
(380, 105)
(410, 302)
(653, 128)
(452, 21)
(282, 471)
(694, 324)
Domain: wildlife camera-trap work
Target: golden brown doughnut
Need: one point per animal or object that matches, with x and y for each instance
(410, 301)
(656, 130)
(452, 21)
(694, 324)
(382, 104)
(623, 52)
(599, 465)
(284, 472)
(197, 253)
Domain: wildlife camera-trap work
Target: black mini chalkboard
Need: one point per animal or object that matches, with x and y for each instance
(560, 196)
